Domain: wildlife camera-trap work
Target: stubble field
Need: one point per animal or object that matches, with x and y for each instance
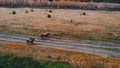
(72, 24)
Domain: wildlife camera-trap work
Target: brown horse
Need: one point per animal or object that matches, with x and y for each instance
(45, 36)
(30, 41)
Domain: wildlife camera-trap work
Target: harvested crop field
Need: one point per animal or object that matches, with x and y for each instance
(98, 25)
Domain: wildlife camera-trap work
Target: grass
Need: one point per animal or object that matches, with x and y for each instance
(55, 58)
(14, 30)
(49, 64)
(12, 61)
(59, 34)
(110, 49)
(93, 26)
(111, 38)
(98, 66)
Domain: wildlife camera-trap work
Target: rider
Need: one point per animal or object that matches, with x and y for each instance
(30, 38)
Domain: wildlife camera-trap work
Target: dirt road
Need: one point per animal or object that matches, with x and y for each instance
(92, 47)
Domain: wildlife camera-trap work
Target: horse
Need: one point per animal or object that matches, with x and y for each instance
(30, 41)
(45, 36)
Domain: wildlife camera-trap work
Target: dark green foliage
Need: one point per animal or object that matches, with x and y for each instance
(58, 58)
(110, 33)
(48, 16)
(13, 12)
(49, 56)
(50, 11)
(50, 0)
(84, 13)
(49, 64)
(71, 20)
(32, 10)
(26, 11)
(10, 61)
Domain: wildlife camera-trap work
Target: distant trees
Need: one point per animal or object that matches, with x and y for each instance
(111, 1)
(44, 3)
(50, 0)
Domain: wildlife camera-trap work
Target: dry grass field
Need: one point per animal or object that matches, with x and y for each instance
(97, 25)
(76, 59)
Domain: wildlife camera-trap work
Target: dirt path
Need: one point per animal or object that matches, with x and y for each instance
(92, 47)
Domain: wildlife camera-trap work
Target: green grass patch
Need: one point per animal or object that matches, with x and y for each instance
(58, 34)
(98, 66)
(11, 61)
(110, 38)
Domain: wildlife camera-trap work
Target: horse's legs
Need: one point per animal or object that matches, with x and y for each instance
(43, 37)
(32, 41)
(48, 38)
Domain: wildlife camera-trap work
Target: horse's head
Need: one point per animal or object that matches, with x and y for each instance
(48, 34)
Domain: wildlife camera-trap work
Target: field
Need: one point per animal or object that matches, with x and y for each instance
(67, 24)
(70, 58)
(82, 31)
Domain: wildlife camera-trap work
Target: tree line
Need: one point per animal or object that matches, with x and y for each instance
(47, 3)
